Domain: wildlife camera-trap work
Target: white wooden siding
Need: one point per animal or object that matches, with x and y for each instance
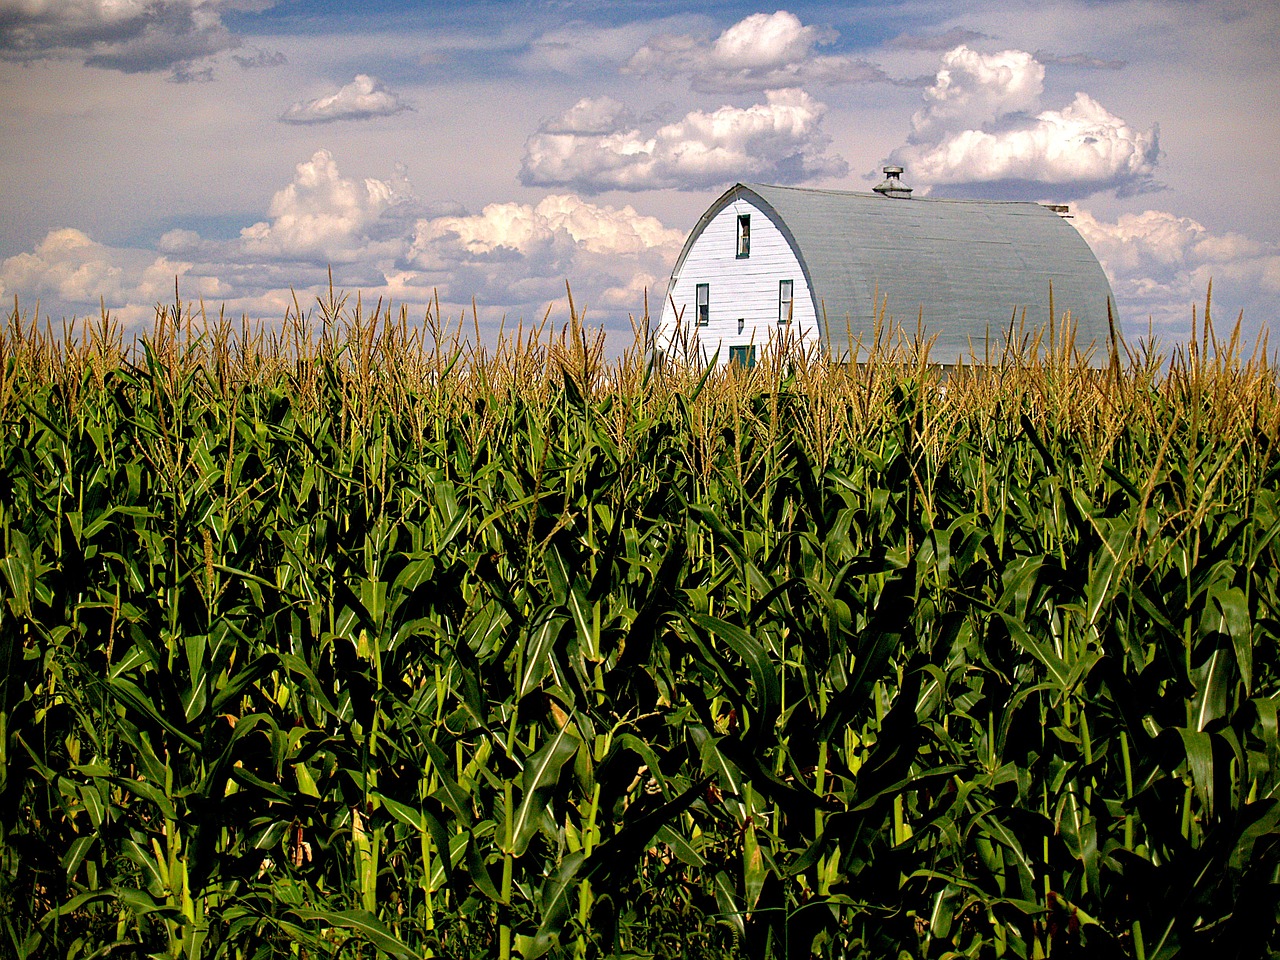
(743, 288)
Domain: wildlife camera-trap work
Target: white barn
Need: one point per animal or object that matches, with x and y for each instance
(766, 262)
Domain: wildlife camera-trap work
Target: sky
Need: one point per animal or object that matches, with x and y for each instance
(487, 153)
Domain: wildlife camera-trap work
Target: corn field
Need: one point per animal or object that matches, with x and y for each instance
(361, 640)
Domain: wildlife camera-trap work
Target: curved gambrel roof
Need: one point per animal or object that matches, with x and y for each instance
(964, 266)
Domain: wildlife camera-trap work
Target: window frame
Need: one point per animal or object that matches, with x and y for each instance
(744, 236)
(786, 300)
(701, 304)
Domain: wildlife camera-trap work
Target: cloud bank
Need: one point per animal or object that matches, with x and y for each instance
(514, 252)
(1160, 265)
(594, 147)
(377, 237)
(68, 267)
(982, 132)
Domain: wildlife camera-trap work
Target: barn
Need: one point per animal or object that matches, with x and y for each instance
(817, 265)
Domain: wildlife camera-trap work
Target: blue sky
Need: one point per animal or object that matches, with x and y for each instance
(495, 150)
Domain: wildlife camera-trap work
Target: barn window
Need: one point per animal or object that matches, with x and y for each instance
(744, 235)
(786, 294)
(744, 356)
(702, 299)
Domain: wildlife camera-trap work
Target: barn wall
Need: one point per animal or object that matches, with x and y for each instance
(740, 288)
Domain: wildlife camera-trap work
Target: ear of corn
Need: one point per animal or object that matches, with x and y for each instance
(368, 640)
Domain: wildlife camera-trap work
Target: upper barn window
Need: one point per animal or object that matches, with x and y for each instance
(744, 235)
(702, 303)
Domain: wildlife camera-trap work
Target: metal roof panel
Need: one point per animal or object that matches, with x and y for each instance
(963, 267)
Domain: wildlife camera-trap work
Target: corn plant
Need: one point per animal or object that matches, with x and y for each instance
(357, 638)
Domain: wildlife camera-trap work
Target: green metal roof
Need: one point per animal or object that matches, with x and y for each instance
(964, 267)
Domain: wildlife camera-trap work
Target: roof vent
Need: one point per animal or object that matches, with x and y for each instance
(892, 186)
(1061, 209)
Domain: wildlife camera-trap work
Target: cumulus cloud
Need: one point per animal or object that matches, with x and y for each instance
(377, 237)
(972, 89)
(981, 132)
(133, 36)
(591, 116)
(70, 268)
(1160, 264)
(514, 252)
(360, 227)
(324, 216)
(780, 140)
(761, 52)
(361, 99)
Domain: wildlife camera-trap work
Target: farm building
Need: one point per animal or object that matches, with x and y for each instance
(819, 265)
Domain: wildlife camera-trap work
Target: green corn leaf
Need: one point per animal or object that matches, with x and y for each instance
(718, 766)
(1198, 747)
(75, 855)
(1039, 649)
(541, 772)
(556, 896)
(764, 676)
(727, 901)
(404, 813)
(243, 680)
(1234, 620)
(306, 781)
(450, 794)
(479, 870)
(753, 868)
(680, 846)
(133, 698)
(93, 804)
(569, 591)
(1212, 681)
(363, 924)
(537, 655)
(945, 906)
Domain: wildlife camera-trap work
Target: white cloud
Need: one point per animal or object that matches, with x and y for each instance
(780, 140)
(578, 46)
(591, 116)
(133, 36)
(70, 268)
(760, 52)
(1068, 153)
(521, 253)
(324, 217)
(1160, 264)
(377, 238)
(361, 99)
(973, 89)
(979, 133)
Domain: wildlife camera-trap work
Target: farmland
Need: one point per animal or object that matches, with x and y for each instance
(357, 641)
